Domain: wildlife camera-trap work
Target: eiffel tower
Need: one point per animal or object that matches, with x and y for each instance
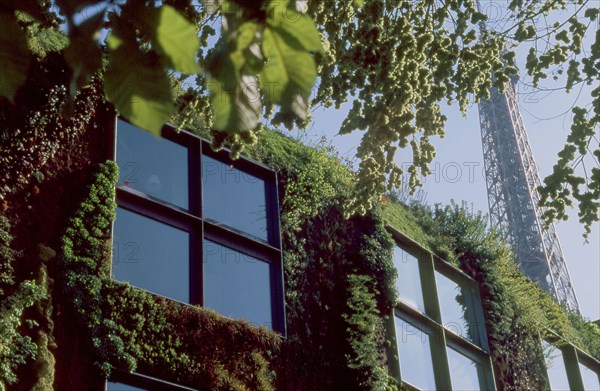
(512, 179)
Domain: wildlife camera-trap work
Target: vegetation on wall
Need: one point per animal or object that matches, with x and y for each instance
(338, 269)
(518, 313)
(340, 287)
(130, 329)
(16, 346)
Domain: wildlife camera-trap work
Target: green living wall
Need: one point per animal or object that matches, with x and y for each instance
(69, 324)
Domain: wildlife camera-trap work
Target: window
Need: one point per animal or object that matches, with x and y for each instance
(236, 284)
(591, 378)
(464, 371)
(414, 350)
(152, 255)
(569, 368)
(555, 367)
(440, 333)
(124, 381)
(234, 198)
(457, 303)
(196, 227)
(409, 279)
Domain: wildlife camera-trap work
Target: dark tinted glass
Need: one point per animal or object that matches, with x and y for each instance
(555, 365)
(409, 279)
(234, 198)
(416, 365)
(112, 386)
(155, 166)
(464, 372)
(151, 255)
(457, 306)
(237, 285)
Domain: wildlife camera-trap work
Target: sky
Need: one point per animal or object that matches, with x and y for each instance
(458, 171)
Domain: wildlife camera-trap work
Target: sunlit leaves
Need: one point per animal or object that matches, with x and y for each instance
(14, 55)
(289, 72)
(174, 38)
(275, 51)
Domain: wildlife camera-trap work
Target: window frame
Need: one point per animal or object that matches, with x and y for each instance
(572, 358)
(441, 337)
(199, 228)
(139, 380)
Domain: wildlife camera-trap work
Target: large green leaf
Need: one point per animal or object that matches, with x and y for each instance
(298, 26)
(173, 36)
(137, 85)
(236, 107)
(235, 98)
(289, 73)
(244, 51)
(14, 55)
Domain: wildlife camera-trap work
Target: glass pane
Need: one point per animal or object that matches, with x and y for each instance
(155, 166)
(409, 279)
(234, 198)
(464, 372)
(151, 255)
(414, 352)
(111, 386)
(237, 285)
(555, 365)
(457, 306)
(590, 378)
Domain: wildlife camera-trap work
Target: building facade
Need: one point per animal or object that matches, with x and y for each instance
(179, 269)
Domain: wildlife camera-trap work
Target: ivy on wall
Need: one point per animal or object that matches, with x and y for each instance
(131, 329)
(517, 312)
(16, 347)
(340, 286)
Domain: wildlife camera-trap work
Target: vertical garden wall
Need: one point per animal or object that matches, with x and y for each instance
(67, 324)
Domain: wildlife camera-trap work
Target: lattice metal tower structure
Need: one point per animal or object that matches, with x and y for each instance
(512, 179)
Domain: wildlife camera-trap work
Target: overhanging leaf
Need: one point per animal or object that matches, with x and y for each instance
(290, 70)
(137, 86)
(14, 56)
(245, 55)
(236, 101)
(173, 36)
(299, 26)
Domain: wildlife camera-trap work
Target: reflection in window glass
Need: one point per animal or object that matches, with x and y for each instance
(457, 306)
(555, 366)
(409, 279)
(234, 198)
(237, 285)
(151, 255)
(464, 372)
(155, 166)
(590, 378)
(414, 352)
(112, 386)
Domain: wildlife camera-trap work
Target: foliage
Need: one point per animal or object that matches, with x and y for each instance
(15, 346)
(517, 311)
(31, 135)
(310, 176)
(397, 60)
(131, 329)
